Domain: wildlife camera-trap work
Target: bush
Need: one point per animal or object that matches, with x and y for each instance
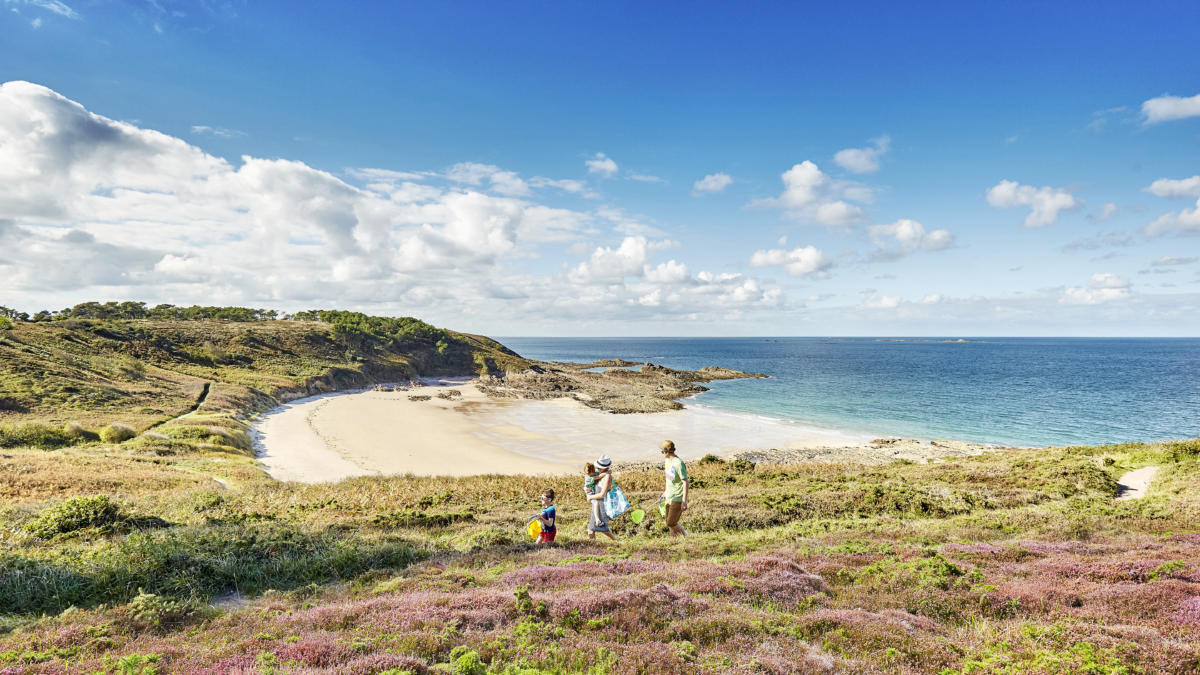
(153, 610)
(78, 434)
(77, 513)
(117, 433)
(35, 436)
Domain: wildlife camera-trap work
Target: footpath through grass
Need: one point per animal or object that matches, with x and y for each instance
(1011, 562)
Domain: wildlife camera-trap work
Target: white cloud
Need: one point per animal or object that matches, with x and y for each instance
(645, 178)
(907, 236)
(602, 165)
(801, 261)
(1102, 287)
(55, 6)
(863, 160)
(613, 264)
(1045, 203)
(878, 301)
(1166, 108)
(216, 131)
(1107, 210)
(1184, 221)
(669, 272)
(36, 23)
(501, 181)
(713, 182)
(932, 299)
(1168, 260)
(1175, 189)
(576, 187)
(811, 195)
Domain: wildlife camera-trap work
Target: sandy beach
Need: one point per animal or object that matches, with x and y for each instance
(452, 428)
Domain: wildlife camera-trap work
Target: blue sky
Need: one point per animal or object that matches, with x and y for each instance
(535, 168)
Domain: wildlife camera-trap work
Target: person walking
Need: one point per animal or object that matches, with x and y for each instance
(675, 494)
(598, 520)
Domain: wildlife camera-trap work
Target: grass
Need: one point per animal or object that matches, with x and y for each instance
(1011, 562)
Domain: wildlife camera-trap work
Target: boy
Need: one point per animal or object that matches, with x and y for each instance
(675, 493)
(546, 518)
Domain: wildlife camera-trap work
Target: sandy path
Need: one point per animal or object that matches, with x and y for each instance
(1133, 485)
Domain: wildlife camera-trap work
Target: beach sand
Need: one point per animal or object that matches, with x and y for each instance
(414, 431)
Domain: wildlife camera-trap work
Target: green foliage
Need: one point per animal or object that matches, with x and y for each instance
(414, 518)
(360, 332)
(34, 435)
(153, 611)
(117, 433)
(6, 323)
(138, 310)
(464, 661)
(138, 664)
(78, 513)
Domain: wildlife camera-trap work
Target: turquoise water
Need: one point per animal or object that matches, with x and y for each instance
(1019, 391)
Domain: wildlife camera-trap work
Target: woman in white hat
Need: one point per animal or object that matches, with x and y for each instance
(598, 520)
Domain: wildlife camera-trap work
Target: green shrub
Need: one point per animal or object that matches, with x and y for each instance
(412, 518)
(77, 513)
(117, 433)
(6, 323)
(78, 434)
(35, 436)
(153, 610)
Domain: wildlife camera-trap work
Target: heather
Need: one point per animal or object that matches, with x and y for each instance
(1018, 561)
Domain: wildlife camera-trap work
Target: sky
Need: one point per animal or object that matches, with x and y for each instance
(610, 169)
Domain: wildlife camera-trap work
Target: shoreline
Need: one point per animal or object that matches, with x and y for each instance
(454, 428)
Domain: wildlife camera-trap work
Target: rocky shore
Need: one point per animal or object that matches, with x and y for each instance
(613, 385)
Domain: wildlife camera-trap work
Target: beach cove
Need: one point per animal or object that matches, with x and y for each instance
(452, 428)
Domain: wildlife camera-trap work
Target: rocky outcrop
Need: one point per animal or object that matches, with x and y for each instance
(618, 389)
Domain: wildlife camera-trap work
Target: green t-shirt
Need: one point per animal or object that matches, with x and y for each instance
(676, 475)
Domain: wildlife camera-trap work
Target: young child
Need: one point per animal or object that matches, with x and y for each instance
(546, 518)
(589, 488)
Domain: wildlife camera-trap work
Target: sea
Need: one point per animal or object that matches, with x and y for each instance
(1007, 391)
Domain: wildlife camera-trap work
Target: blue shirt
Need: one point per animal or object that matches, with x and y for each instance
(548, 514)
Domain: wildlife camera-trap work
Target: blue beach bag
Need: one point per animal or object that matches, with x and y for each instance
(615, 502)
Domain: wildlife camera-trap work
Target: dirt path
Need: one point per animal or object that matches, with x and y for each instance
(196, 406)
(1134, 484)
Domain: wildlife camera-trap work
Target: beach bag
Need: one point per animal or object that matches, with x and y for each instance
(615, 502)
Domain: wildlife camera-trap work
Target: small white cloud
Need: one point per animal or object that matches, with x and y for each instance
(1102, 287)
(1107, 210)
(602, 165)
(670, 272)
(576, 187)
(1168, 108)
(1011, 139)
(1175, 189)
(1185, 221)
(932, 299)
(809, 194)
(216, 131)
(800, 262)
(646, 178)
(1045, 203)
(55, 6)
(36, 23)
(713, 182)
(1168, 260)
(612, 265)
(863, 160)
(907, 236)
(501, 181)
(878, 301)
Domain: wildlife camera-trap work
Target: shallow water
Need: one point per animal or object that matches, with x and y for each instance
(1017, 391)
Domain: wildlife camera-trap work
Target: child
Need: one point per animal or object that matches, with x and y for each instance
(546, 518)
(589, 488)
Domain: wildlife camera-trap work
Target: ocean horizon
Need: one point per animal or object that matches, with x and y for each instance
(1023, 391)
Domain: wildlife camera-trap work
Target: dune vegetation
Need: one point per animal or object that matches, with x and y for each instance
(172, 551)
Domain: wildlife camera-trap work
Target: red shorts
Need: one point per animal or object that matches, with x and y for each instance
(547, 537)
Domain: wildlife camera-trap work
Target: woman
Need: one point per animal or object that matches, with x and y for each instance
(598, 520)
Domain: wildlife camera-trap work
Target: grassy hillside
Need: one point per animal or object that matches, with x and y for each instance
(174, 552)
(62, 381)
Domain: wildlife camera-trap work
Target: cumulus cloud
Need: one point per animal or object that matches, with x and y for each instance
(1184, 221)
(905, 236)
(863, 160)
(1167, 108)
(1045, 203)
(812, 196)
(669, 272)
(613, 264)
(713, 182)
(499, 180)
(1102, 287)
(602, 165)
(802, 261)
(1175, 189)
(879, 301)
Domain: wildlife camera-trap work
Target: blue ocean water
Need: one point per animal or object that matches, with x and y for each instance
(1014, 391)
